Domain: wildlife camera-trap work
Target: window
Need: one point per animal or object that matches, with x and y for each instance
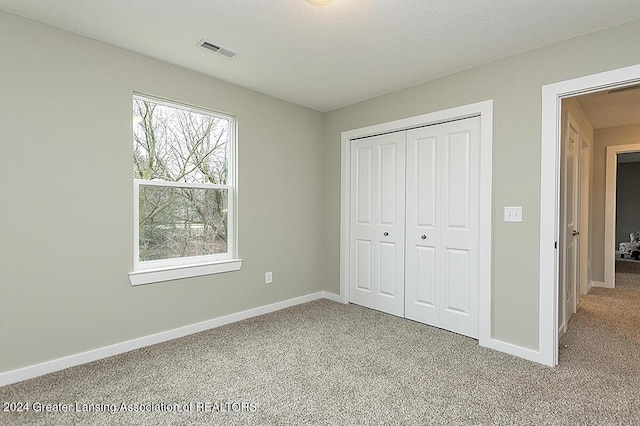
(183, 172)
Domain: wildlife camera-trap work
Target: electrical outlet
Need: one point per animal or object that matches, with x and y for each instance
(513, 214)
(268, 277)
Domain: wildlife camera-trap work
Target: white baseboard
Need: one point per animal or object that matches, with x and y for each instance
(515, 350)
(561, 330)
(601, 284)
(332, 296)
(36, 370)
(47, 367)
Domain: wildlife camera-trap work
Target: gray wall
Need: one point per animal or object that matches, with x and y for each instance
(624, 135)
(627, 200)
(515, 86)
(67, 197)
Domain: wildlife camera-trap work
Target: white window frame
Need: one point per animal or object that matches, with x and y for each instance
(146, 272)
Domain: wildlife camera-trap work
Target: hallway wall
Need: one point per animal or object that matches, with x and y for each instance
(624, 135)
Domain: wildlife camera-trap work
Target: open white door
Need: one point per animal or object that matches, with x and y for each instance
(571, 220)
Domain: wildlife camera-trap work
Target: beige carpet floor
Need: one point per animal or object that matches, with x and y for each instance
(333, 364)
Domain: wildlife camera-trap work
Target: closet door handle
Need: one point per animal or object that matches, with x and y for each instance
(424, 237)
(386, 234)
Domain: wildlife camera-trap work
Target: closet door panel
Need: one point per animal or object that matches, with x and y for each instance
(390, 211)
(426, 276)
(363, 185)
(456, 282)
(460, 215)
(362, 242)
(456, 182)
(389, 187)
(422, 227)
(364, 266)
(388, 264)
(424, 179)
(377, 243)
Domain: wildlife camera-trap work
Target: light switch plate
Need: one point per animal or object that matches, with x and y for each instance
(513, 214)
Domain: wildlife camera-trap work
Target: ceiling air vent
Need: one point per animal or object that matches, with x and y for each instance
(214, 48)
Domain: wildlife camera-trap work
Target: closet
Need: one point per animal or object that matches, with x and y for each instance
(414, 224)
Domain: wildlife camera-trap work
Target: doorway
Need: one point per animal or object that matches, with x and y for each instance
(627, 221)
(613, 155)
(552, 265)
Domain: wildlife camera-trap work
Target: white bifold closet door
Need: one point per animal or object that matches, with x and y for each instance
(377, 222)
(415, 223)
(442, 220)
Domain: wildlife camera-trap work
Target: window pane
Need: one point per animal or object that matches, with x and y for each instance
(179, 145)
(181, 222)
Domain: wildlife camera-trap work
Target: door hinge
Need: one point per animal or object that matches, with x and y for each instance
(555, 245)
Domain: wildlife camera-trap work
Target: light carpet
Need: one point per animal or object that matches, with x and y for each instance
(333, 364)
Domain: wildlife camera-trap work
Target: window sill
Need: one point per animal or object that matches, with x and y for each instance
(179, 272)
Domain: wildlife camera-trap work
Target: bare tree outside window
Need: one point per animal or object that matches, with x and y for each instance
(180, 161)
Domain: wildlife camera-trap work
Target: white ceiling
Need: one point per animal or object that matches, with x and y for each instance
(612, 108)
(335, 55)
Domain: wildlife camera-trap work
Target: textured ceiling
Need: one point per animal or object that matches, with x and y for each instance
(335, 55)
(612, 109)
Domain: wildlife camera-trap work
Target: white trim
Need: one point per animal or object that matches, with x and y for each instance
(345, 203)
(485, 111)
(552, 95)
(585, 202)
(600, 284)
(332, 296)
(164, 183)
(150, 276)
(36, 370)
(182, 105)
(611, 172)
(511, 349)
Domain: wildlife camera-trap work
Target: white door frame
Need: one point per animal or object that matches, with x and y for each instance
(585, 231)
(552, 95)
(610, 210)
(485, 111)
